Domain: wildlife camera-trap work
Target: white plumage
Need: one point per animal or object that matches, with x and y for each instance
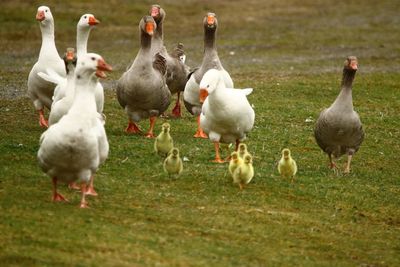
(226, 113)
(73, 148)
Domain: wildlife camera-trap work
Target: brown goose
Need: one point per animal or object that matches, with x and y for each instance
(339, 130)
(177, 71)
(142, 90)
(210, 61)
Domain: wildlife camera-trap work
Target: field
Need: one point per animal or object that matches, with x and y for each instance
(291, 52)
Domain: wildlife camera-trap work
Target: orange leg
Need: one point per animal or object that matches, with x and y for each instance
(150, 133)
(132, 128)
(42, 121)
(57, 196)
(176, 111)
(90, 190)
(83, 203)
(199, 133)
(217, 156)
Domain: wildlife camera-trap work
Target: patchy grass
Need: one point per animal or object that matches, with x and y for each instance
(292, 53)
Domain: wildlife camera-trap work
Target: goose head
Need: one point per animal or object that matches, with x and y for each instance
(87, 21)
(211, 80)
(90, 64)
(70, 59)
(165, 127)
(286, 153)
(157, 13)
(44, 15)
(147, 25)
(351, 63)
(210, 21)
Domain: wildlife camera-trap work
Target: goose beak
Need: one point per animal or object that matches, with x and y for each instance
(70, 55)
(150, 28)
(353, 65)
(203, 95)
(102, 66)
(154, 12)
(93, 21)
(210, 20)
(40, 16)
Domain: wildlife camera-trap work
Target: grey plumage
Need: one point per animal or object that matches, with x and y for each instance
(338, 130)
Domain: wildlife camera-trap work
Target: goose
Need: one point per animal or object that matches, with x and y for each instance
(338, 130)
(164, 142)
(177, 71)
(210, 61)
(41, 91)
(244, 172)
(142, 90)
(84, 26)
(226, 114)
(287, 166)
(60, 107)
(72, 149)
(173, 164)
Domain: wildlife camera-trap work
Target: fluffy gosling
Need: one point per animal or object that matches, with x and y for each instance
(234, 162)
(163, 143)
(244, 172)
(287, 166)
(173, 163)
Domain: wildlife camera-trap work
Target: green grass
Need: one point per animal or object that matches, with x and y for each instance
(291, 52)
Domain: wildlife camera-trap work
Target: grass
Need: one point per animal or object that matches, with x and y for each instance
(291, 52)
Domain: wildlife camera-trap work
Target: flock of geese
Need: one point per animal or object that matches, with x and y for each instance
(75, 142)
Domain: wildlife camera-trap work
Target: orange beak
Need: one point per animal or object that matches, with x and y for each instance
(203, 95)
(210, 20)
(353, 65)
(150, 28)
(154, 11)
(102, 66)
(40, 16)
(70, 55)
(93, 21)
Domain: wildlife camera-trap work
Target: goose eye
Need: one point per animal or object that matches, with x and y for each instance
(93, 58)
(208, 86)
(47, 10)
(85, 17)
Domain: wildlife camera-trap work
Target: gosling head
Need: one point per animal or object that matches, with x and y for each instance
(235, 156)
(242, 148)
(174, 152)
(165, 127)
(248, 159)
(286, 153)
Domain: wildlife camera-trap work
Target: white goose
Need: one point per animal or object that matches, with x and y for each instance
(226, 114)
(210, 61)
(41, 91)
(85, 24)
(73, 148)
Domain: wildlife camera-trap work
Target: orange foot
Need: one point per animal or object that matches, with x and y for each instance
(57, 197)
(91, 192)
(176, 112)
(219, 160)
(200, 134)
(83, 205)
(132, 128)
(150, 135)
